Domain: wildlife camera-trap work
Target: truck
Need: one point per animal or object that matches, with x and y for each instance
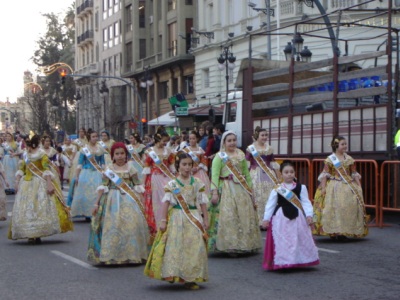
(304, 104)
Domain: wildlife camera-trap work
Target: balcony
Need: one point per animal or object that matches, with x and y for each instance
(85, 7)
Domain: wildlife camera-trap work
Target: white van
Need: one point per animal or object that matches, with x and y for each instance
(233, 119)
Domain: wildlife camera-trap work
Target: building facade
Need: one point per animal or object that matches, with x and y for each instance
(232, 22)
(156, 40)
(104, 104)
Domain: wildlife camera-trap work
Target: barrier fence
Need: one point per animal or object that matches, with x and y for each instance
(389, 188)
(307, 172)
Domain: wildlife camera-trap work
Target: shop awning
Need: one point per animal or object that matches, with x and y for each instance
(165, 120)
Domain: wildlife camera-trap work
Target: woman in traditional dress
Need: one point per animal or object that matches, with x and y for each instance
(156, 178)
(139, 148)
(52, 155)
(10, 161)
(262, 182)
(179, 252)
(234, 225)
(69, 150)
(106, 142)
(338, 203)
(3, 185)
(87, 178)
(200, 164)
(119, 233)
(289, 241)
(39, 209)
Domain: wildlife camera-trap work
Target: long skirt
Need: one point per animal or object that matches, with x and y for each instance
(262, 187)
(154, 192)
(3, 207)
(338, 212)
(36, 214)
(180, 253)
(289, 244)
(10, 168)
(119, 233)
(233, 222)
(85, 194)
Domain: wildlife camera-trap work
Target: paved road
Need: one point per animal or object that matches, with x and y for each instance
(57, 269)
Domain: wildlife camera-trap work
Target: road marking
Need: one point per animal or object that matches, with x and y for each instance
(74, 260)
(327, 250)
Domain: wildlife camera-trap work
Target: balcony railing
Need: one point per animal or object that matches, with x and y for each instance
(85, 6)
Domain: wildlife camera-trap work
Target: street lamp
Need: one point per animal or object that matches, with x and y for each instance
(296, 49)
(226, 61)
(104, 91)
(145, 82)
(268, 11)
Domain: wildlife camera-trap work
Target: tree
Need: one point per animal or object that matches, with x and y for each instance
(56, 45)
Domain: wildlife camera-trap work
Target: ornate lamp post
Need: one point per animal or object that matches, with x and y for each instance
(104, 91)
(296, 49)
(226, 61)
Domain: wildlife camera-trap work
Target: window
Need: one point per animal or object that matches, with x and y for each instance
(110, 7)
(128, 17)
(163, 90)
(105, 2)
(142, 14)
(116, 62)
(110, 36)
(188, 84)
(116, 33)
(129, 56)
(110, 66)
(96, 21)
(116, 5)
(142, 48)
(171, 5)
(174, 86)
(172, 39)
(105, 66)
(206, 78)
(105, 38)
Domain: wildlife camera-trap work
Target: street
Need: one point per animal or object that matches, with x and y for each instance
(57, 269)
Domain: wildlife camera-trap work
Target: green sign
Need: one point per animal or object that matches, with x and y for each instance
(182, 111)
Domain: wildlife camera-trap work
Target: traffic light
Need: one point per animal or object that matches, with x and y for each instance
(144, 125)
(63, 74)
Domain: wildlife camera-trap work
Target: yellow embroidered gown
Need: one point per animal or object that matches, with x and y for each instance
(338, 212)
(262, 184)
(35, 213)
(180, 253)
(234, 226)
(119, 233)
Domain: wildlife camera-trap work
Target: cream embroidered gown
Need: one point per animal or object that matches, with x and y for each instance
(119, 233)
(35, 213)
(185, 255)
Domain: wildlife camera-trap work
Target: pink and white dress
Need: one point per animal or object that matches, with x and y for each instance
(289, 243)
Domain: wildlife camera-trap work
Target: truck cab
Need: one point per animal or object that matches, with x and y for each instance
(233, 114)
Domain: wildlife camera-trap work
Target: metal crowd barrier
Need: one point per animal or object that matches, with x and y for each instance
(389, 188)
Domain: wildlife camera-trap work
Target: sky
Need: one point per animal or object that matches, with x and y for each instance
(21, 26)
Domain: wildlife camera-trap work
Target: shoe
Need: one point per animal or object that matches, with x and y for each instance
(192, 285)
(88, 219)
(38, 241)
(31, 241)
(342, 238)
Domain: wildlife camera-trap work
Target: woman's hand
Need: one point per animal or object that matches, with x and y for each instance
(163, 225)
(205, 224)
(323, 190)
(214, 199)
(50, 189)
(95, 210)
(265, 225)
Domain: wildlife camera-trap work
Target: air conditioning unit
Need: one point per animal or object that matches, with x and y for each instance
(151, 19)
